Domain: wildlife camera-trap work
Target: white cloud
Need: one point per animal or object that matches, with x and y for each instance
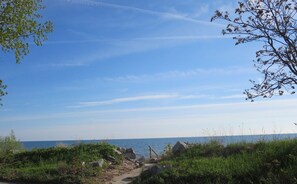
(152, 38)
(259, 107)
(191, 120)
(122, 100)
(199, 37)
(167, 15)
(186, 73)
(202, 9)
(195, 96)
(236, 96)
(116, 48)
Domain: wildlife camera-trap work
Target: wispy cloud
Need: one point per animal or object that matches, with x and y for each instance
(166, 15)
(201, 37)
(68, 64)
(153, 97)
(204, 8)
(269, 107)
(236, 96)
(177, 37)
(116, 49)
(185, 97)
(122, 100)
(74, 41)
(180, 74)
(110, 48)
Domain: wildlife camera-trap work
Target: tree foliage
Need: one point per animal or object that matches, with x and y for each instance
(20, 24)
(274, 24)
(2, 90)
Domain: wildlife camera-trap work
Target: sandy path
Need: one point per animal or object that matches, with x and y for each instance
(127, 177)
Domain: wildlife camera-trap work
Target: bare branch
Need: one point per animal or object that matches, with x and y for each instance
(272, 22)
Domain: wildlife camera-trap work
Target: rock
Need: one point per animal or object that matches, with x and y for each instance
(122, 150)
(110, 158)
(130, 154)
(137, 164)
(156, 169)
(98, 163)
(179, 147)
(117, 151)
(154, 160)
(141, 159)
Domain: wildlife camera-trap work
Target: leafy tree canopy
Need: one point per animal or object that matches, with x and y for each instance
(274, 24)
(20, 24)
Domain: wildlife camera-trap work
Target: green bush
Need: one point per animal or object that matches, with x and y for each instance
(9, 144)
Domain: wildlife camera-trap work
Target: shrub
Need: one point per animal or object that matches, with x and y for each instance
(9, 144)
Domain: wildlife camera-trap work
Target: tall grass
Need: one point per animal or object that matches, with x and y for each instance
(55, 165)
(272, 162)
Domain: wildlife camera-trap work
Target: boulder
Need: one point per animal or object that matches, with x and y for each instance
(140, 161)
(130, 154)
(117, 151)
(122, 150)
(179, 147)
(98, 163)
(154, 160)
(110, 158)
(156, 169)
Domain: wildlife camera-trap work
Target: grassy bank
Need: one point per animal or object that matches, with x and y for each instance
(273, 162)
(55, 165)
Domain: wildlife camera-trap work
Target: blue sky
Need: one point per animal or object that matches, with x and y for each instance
(134, 69)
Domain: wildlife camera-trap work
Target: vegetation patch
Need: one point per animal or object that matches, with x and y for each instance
(273, 162)
(56, 164)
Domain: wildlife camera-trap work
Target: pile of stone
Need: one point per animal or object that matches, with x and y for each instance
(154, 169)
(128, 154)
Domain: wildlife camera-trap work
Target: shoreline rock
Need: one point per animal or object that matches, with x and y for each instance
(179, 147)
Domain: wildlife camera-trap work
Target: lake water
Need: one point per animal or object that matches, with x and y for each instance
(141, 145)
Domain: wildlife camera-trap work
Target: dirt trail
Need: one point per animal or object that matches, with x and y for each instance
(128, 177)
(116, 171)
